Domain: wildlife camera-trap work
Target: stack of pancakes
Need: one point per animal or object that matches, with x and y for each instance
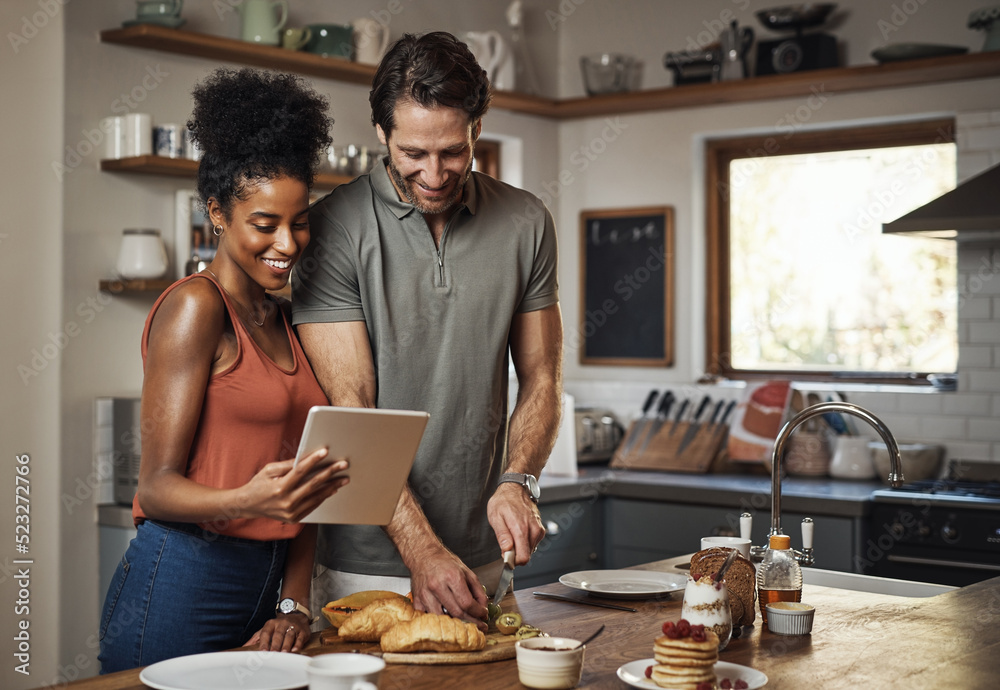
(683, 663)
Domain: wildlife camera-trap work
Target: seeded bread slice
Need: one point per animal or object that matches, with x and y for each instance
(741, 581)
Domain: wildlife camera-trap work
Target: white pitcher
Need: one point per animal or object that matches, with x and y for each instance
(259, 25)
(489, 49)
(371, 38)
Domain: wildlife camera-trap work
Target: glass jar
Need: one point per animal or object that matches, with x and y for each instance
(707, 603)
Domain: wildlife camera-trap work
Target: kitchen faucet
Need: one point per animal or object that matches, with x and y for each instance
(805, 556)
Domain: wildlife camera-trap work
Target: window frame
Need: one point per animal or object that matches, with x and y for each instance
(719, 153)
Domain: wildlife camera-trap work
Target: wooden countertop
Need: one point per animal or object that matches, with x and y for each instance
(858, 640)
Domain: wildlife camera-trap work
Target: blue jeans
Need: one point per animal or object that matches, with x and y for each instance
(181, 590)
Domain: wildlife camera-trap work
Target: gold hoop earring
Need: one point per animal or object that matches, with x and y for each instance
(217, 230)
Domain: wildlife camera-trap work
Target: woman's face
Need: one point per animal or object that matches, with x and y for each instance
(267, 231)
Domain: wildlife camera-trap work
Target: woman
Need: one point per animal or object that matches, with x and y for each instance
(224, 399)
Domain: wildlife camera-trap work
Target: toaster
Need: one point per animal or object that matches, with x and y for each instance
(598, 433)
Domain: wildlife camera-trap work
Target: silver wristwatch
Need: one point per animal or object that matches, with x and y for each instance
(528, 481)
(289, 605)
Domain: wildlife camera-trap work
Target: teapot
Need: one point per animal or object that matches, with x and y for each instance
(734, 44)
(491, 53)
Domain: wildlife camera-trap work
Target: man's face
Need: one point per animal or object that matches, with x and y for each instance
(430, 155)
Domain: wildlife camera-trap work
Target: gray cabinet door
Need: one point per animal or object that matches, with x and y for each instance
(572, 542)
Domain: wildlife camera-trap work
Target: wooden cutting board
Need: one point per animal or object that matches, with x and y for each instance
(498, 648)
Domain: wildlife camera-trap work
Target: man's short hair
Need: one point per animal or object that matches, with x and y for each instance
(432, 70)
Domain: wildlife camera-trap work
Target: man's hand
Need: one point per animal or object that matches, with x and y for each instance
(515, 520)
(442, 584)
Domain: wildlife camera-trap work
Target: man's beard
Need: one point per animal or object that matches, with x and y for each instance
(430, 208)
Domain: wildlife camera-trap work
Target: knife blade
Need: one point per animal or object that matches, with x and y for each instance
(725, 417)
(564, 597)
(661, 417)
(505, 577)
(695, 425)
(679, 417)
(640, 424)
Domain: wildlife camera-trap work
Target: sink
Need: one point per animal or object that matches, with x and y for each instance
(872, 584)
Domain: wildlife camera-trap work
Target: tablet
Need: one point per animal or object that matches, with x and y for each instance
(381, 446)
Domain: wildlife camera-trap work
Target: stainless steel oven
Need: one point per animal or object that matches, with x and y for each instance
(945, 531)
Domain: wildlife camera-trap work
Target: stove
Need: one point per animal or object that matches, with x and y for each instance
(945, 531)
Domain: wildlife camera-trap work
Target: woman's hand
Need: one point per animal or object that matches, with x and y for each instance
(286, 632)
(288, 491)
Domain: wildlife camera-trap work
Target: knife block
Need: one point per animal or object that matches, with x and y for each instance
(662, 451)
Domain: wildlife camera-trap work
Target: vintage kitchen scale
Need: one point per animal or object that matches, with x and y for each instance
(802, 51)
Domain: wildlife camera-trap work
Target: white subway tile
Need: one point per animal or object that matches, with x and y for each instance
(973, 120)
(984, 332)
(975, 356)
(967, 404)
(983, 428)
(921, 404)
(983, 138)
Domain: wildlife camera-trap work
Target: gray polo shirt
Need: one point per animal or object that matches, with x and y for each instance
(439, 323)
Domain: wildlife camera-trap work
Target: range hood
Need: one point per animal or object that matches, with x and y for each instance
(970, 212)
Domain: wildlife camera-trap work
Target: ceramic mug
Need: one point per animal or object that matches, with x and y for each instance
(371, 38)
(259, 25)
(741, 545)
(852, 458)
(295, 39)
(331, 40)
(344, 672)
(158, 8)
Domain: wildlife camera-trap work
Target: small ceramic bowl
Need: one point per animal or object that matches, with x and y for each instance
(549, 662)
(790, 618)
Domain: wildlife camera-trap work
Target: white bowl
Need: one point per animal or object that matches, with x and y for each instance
(790, 618)
(549, 662)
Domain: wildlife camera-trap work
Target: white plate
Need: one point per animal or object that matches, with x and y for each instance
(625, 584)
(634, 673)
(229, 671)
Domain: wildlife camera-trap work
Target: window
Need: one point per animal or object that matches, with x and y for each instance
(801, 282)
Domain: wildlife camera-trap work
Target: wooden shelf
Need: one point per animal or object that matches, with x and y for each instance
(185, 167)
(798, 84)
(118, 287)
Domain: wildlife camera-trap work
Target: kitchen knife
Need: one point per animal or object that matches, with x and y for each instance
(679, 417)
(587, 602)
(725, 417)
(661, 417)
(505, 577)
(640, 424)
(695, 425)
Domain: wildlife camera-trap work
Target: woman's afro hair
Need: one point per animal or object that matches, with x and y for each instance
(253, 125)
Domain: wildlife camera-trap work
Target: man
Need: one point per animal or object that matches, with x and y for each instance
(421, 275)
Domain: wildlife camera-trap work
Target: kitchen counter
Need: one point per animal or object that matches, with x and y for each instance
(819, 495)
(858, 640)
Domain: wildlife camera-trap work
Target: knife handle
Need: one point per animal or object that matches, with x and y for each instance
(665, 402)
(508, 558)
(684, 406)
(650, 399)
(701, 407)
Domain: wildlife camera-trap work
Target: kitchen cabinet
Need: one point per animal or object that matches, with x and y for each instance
(572, 542)
(643, 531)
(794, 85)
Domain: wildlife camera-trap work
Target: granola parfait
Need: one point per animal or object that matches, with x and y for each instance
(706, 602)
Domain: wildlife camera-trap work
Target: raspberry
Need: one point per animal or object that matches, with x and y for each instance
(683, 628)
(741, 685)
(698, 635)
(673, 633)
(649, 671)
(667, 627)
(695, 576)
(726, 684)
(699, 627)
(718, 585)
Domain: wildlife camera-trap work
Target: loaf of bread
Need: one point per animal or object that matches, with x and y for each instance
(741, 581)
(368, 624)
(431, 632)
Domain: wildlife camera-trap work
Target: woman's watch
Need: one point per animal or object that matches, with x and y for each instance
(289, 605)
(528, 481)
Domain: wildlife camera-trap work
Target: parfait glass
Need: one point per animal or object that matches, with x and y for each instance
(706, 602)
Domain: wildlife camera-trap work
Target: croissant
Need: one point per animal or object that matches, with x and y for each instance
(433, 633)
(368, 624)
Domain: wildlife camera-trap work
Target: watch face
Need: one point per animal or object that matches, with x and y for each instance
(287, 605)
(532, 485)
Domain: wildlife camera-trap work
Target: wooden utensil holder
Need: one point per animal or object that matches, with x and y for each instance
(662, 451)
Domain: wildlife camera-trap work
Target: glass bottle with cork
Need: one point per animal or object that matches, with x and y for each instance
(779, 576)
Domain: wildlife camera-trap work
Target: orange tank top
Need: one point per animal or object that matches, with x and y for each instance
(252, 414)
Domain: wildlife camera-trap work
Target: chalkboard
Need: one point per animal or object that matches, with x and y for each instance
(626, 278)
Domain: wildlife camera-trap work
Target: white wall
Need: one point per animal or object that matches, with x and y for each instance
(31, 266)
